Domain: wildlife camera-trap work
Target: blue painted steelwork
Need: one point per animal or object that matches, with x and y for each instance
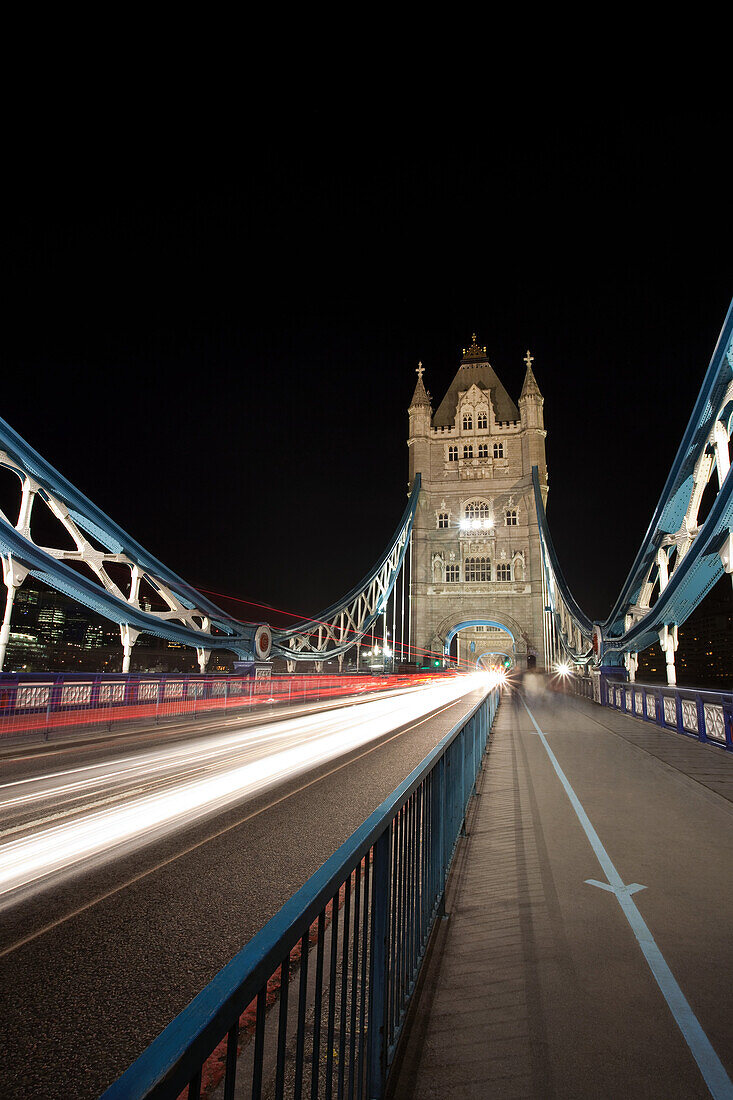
(701, 564)
(678, 556)
(474, 622)
(343, 624)
(670, 509)
(50, 486)
(704, 715)
(481, 663)
(386, 885)
(562, 607)
(552, 564)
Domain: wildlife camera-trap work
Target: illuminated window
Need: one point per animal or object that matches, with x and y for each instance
(468, 451)
(503, 572)
(498, 450)
(483, 420)
(476, 510)
(483, 450)
(467, 422)
(442, 519)
(452, 573)
(510, 518)
(453, 454)
(478, 569)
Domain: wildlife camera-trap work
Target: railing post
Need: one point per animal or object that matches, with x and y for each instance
(464, 780)
(436, 831)
(49, 707)
(377, 1039)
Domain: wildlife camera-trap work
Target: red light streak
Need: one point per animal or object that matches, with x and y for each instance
(299, 617)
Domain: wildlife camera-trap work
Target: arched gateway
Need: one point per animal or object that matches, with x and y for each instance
(476, 566)
(482, 634)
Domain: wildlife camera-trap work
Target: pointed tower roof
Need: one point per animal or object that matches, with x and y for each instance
(475, 368)
(420, 396)
(530, 387)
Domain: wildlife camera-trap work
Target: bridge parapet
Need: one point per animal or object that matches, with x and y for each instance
(704, 715)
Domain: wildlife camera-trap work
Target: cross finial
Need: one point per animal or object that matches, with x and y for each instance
(420, 370)
(529, 359)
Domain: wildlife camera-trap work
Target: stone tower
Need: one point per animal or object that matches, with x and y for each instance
(476, 567)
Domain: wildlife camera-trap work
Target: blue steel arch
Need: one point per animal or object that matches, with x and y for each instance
(671, 507)
(19, 457)
(475, 622)
(702, 565)
(343, 624)
(633, 625)
(491, 653)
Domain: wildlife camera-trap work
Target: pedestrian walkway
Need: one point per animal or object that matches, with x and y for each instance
(594, 890)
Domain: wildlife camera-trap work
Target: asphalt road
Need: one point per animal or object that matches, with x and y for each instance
(94, 966)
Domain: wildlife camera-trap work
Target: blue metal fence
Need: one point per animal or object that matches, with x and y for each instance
(369, 910)
(705, 715)
(694, 712)
(33, 703)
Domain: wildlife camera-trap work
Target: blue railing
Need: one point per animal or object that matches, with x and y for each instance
(706, 715)
(368, 913)
(694, 712)
(35, 703)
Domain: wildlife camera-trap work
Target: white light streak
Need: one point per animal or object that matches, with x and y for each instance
(192, 780)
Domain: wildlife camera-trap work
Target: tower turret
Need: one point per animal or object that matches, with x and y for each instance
(533, 421)
(419, 438)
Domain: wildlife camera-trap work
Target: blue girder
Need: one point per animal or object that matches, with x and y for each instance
(234, 635)
(282, 638)
(670, 510)
(696, 574)
(552, 564)
(701, 566)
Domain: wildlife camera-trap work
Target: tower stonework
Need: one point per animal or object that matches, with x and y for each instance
(476, 547)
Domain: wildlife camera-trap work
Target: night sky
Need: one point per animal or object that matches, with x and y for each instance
(219, 347)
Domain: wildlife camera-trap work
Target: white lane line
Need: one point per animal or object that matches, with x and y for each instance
(221, 832)
(717, 1080)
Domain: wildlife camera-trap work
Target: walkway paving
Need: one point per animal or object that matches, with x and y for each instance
(537, 984)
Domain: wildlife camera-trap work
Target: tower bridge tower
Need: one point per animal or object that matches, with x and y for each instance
(476, 566)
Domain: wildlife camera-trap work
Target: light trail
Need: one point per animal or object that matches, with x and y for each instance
(189, 781)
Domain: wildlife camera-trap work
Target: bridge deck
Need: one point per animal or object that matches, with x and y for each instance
(537, 984)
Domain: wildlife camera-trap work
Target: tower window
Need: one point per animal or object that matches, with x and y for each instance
(498, 450)
(453, 454)
(503, 572)
(442, 519)
(468, 451)
(452, 573)
(478, 569)
(467, 422)
(475, 515)
(510, 518)
(483, 420)
(483, 450)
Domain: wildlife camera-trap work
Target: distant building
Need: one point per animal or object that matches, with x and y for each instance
(476, 548)
(51, 632)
